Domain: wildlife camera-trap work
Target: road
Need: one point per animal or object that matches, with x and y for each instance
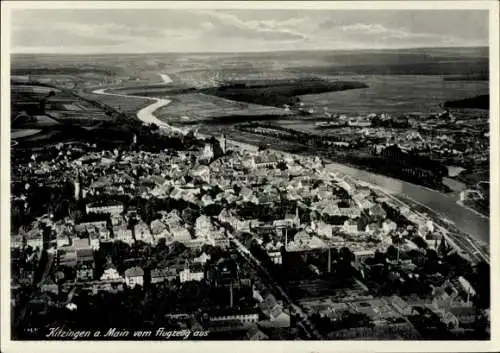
(465, 220)
(454, 239)
(303, 320)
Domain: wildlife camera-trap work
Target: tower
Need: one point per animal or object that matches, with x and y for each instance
(223, 143)
(77, 186)
(296, 219)
(329, 259)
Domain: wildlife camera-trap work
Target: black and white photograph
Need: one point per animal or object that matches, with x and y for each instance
(211, 173)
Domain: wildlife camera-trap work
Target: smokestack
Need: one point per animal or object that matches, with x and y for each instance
(329, 260)
(231, 295)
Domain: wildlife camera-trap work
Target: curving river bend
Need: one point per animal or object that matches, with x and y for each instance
(445, 205)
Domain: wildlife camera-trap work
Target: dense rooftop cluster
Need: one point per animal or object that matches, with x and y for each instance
(213, 235)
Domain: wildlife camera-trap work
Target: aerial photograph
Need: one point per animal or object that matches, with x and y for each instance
(246, 174)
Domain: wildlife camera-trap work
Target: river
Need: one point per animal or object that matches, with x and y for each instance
(446, 205)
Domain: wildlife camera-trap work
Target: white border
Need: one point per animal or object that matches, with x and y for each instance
(278, 346)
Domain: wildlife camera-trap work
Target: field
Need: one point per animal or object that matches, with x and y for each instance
(123, 104)
(396, 94)
(197, 107)
(399, 81)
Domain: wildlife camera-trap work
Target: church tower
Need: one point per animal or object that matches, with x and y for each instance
(296, 219)
(223, 143)
(77, 186)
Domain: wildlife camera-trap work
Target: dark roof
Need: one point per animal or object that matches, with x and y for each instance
(81, 244)
(87, 253)
(231, 311)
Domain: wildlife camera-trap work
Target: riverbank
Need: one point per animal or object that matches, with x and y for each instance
(442, 204)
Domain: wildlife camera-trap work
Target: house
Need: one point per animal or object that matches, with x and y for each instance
(389, 226)
(87, 225)
(84, 250)
(273, 309)
(194, 272)
(159, 275)
(377, 211)
(323, 229)
(49, 287)
(465, 315)
(466, 287)
(67, 256)
(246, 316)
(111, 208)
(111, 274)
(400, 305)
(134, 276)
(264, 161)
(350, 226)
(122, 233)
(254, 334)
(180, 234)
(361, 255)
(202, 259)
(217, 238)
(35, 242)
(157, 227)
(143, 233)
(449, 320)
(84, 272)
(371, 228)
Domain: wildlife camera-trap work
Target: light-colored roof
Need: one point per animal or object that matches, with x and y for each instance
(134, 272)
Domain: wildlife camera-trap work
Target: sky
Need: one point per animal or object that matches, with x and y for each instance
(170, 30)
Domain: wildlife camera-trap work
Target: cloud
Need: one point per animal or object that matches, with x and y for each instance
(378, 34)
(127, 30)
(57, 37)
(378, 29)
(229, 25)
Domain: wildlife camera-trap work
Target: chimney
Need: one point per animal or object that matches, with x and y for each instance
(329, 260)
(231, 295)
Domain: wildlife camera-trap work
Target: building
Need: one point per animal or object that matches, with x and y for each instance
(134, 276)
(160, 275)
(273, 309)
(223, 143)
(84, 272)
(77, 187)
(90, 225)
(111, 274)
(180, 234)
(202, 259)
(246, 316)
(465, 315)
(254, 334)
(111, 208)
(264, 161)
(67, 256)
(466, 288)
(193, 272)
(274, 252)
(217, 238)
(322, 229)
(400, 305)
(84, 250)
(350, 227)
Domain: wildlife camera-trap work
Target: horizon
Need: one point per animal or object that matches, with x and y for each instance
(253, 52)
(145, 31)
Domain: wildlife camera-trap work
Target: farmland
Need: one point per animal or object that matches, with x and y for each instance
(197, 107)
(127, 105)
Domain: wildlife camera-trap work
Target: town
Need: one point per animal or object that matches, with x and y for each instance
(254, 244)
